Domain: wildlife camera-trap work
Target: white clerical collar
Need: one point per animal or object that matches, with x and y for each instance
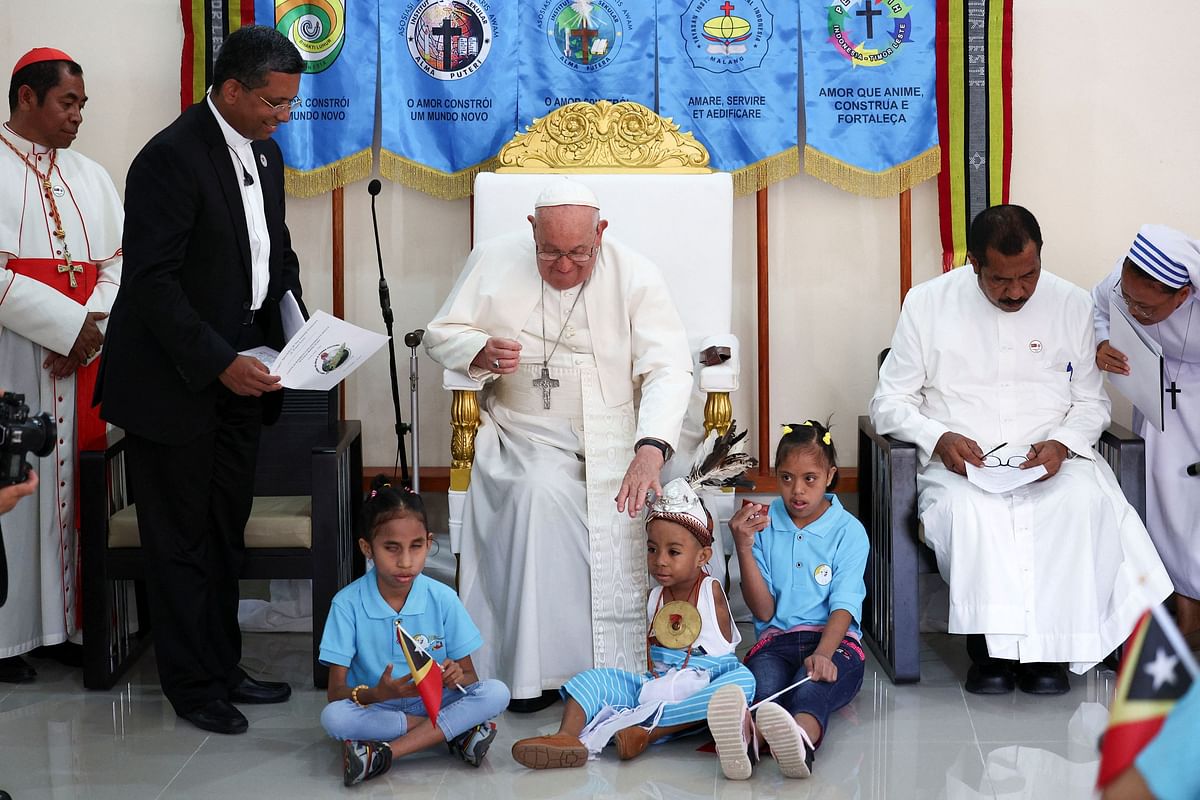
(232, 137)
(21, 143)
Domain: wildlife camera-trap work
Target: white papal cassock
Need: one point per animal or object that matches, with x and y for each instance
(34, 319)
(1172, 496)
(1055, 571)
(553, 576)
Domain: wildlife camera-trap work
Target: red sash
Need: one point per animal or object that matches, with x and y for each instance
(53, 272)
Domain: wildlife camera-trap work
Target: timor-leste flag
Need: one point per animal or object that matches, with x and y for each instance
(426, 673)
(1156, 670)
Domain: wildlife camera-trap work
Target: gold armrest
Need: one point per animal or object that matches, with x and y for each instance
(718, 413)
(464, 421)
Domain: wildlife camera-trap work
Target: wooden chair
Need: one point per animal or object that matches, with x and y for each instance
(660, 197)
(302, 525)
(887, 507)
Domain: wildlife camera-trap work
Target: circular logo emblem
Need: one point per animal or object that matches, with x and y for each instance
(823, 575)
(331, 358)
(727, 35)
(449, 40)
(869, 32)
(58, 191)
(316, 27)
(585, 35)
(1035, 346)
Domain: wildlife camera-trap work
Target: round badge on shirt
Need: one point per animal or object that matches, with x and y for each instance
(58, 191)
(823, 575)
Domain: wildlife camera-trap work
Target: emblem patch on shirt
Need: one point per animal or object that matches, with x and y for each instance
(58, 191)
(262, 159)
(1035, 346)
(823, 575)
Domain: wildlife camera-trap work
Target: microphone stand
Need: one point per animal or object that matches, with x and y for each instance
(413, 341)
(385, 305)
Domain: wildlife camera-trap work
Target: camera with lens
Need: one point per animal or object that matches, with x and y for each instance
(21, 434)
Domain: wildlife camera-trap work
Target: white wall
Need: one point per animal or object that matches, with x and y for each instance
(1105, 138)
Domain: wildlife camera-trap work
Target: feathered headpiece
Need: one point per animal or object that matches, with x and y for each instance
(719, 461)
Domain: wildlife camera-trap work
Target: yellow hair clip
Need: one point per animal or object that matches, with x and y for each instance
(807, 422)
(827, 439)
(787, 429)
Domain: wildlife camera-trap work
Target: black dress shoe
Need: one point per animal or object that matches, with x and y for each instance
(217, 716)
(15, 669)
(532, 704)
(990, 677)
(66, 653)
(259, 692)
(1042, 678)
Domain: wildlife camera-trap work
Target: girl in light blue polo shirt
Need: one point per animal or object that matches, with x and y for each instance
(802, 561)
(373, 706)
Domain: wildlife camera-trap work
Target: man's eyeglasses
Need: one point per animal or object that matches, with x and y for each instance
(550, 256)
(996, 461)
(286, 105)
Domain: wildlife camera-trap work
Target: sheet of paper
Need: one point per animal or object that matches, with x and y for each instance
(999, 480)
(321, 354)
(291, 316)
(1143, 386)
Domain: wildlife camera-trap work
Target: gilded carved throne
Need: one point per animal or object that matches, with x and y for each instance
(660, 198)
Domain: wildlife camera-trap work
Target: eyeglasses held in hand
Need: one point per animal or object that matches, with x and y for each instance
(996, 461)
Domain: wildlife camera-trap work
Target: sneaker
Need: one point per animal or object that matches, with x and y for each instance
(362, 761)
(789, 743)
(732, 730)
(472, 745)
(550, 752)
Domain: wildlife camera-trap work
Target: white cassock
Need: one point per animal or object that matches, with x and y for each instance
(36, 319)
(1172, 496)
(553, 576)
(1054, 571)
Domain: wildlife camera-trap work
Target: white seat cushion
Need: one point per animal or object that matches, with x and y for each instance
(274, 522)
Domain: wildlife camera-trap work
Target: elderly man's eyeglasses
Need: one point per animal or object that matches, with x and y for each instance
(550, 256)
(996, 461)
(286, 105)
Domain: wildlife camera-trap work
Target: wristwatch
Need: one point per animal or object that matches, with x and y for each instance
(666, 449)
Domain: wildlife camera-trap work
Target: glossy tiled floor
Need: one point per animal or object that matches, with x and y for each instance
(928, 740)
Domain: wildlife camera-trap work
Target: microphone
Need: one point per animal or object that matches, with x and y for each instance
(374, 187)
(1194, 469)
(385, 296)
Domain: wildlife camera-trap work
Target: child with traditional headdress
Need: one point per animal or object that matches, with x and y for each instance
(386, 625)
(802, 561)
(691, 638)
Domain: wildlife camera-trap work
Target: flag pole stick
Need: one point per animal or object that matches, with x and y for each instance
(805, 679)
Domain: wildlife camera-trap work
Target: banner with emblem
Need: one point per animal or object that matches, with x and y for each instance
(327, 141)
(583, 50)
(728, 74)
(869, 94)
(449, 97)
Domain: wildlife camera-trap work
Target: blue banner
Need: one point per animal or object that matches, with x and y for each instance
(869, 94)
(728, 73)
(449, 96)
(327, 142)
(583, 50)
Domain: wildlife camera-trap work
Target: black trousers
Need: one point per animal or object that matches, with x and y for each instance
(193, 501)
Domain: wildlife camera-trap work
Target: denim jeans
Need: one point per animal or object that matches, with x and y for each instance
(779, 663)
(384, 722)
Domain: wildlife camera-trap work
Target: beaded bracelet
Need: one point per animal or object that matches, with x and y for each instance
(354, 694)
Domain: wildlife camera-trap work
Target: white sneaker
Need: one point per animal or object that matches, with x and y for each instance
(789, 743)
(732, 729)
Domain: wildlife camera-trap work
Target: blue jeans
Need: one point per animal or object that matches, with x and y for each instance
(383, 722)
(780, 662)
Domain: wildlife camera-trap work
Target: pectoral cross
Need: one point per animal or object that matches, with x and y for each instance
(1173, 391)
(545, 383)
(71, 269)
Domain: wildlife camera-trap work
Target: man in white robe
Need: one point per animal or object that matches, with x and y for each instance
(552, 570)
(1155, 285)
(1054, 571)
(55, 291)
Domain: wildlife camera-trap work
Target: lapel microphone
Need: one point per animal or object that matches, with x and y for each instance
(247, 180)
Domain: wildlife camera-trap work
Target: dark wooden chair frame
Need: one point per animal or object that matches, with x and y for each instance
(308, 433)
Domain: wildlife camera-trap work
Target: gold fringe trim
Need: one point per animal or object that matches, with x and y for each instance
(443, 185)
(329, 177)
(888, 183)
(761, 174)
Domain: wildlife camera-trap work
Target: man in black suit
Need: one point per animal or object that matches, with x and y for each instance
(207, 259)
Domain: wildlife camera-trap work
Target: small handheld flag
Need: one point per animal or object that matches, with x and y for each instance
(1156, 671)
(426, 672)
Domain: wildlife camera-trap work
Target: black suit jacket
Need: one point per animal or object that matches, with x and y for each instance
(186, 281)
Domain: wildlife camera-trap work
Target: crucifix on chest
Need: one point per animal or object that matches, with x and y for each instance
(72, 269)
(1174, 391)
